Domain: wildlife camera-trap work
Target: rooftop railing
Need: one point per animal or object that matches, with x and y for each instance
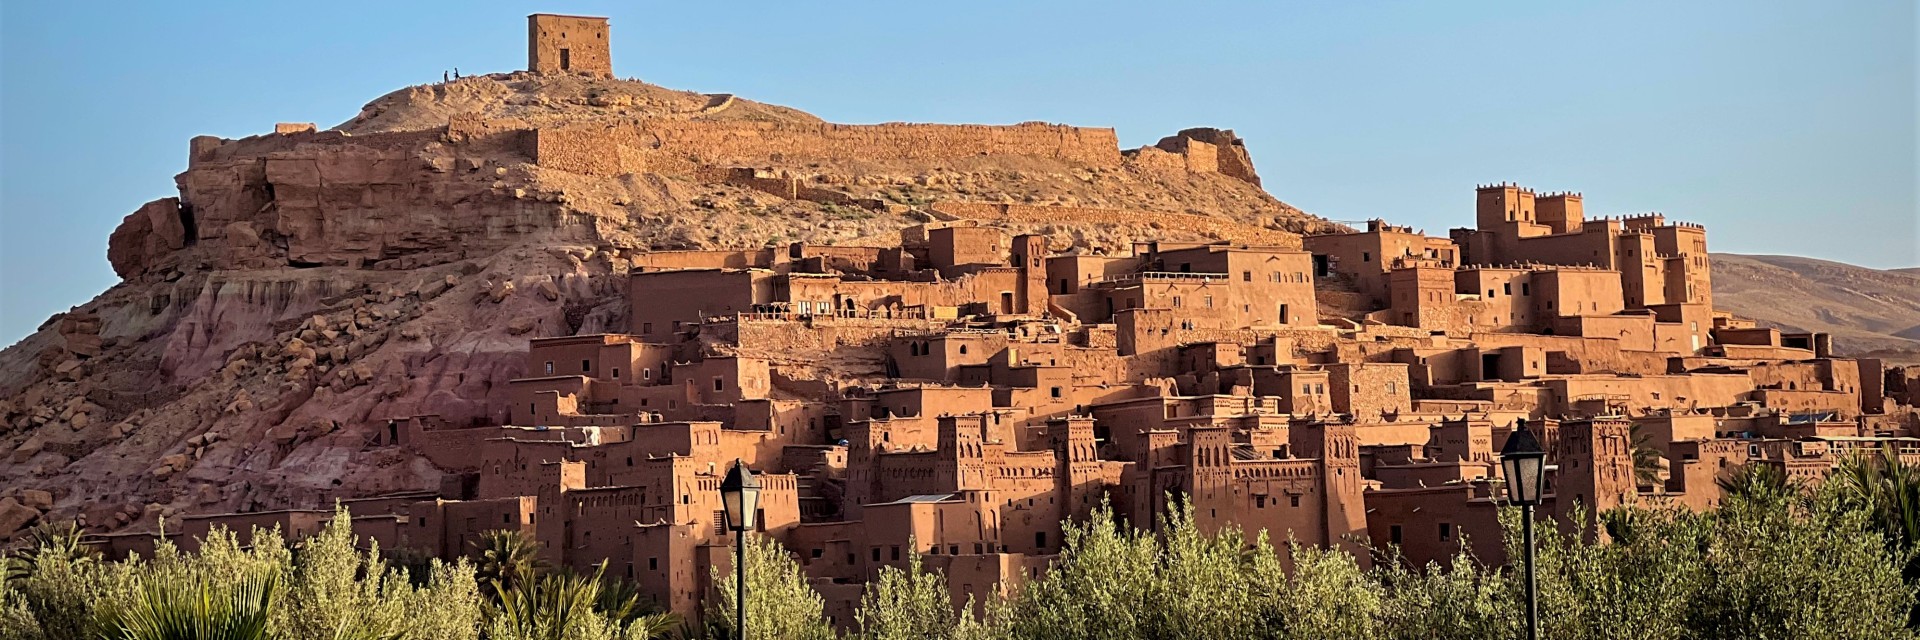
(1162, 276)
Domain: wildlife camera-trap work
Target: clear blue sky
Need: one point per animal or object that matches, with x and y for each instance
(1784, 127)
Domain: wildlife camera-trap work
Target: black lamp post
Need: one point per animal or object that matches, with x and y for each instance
(740, 495)
(1524, 464)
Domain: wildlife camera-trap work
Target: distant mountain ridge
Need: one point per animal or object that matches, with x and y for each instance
(1870, 312)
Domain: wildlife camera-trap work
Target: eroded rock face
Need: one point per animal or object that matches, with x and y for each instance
(147, 235)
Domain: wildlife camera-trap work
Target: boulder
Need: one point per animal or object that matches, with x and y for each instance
(520, 326)
(36, 498)
(15, 516)
(500, 291)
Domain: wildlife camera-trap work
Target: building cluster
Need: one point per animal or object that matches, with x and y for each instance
(963, 393)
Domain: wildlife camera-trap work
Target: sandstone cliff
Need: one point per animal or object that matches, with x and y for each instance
(306, 287)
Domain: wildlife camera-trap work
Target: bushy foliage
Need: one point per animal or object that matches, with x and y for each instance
(1775, 560)
(1459, 601)
(906, 604)
(1784, 565)
(781, 605)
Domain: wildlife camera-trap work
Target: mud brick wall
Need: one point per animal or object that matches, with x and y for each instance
(1157, 159)
(688, 145)
(723, 142)
(1220, 227)
(595, 150)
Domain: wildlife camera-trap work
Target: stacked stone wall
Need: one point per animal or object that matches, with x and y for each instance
(1207, 225)
(689, 145)
(593, 150)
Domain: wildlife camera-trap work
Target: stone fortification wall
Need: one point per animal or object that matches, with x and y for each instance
(1206, 225)
(1206, 150)
(683, 145)
(785, 186)
(592, 149)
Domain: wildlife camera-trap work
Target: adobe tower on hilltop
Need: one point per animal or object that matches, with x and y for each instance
(568, 44)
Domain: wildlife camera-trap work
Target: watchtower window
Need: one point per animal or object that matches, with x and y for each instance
(566, 59)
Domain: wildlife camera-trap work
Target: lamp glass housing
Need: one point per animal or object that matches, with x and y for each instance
(740, 497)
(1524, 464)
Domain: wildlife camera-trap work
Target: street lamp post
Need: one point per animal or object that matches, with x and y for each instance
(740, 495)
(1523, 463)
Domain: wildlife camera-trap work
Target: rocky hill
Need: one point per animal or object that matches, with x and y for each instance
(308, 286)
(1871, 313)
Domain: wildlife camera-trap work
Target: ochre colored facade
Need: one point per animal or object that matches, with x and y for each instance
(568, 44)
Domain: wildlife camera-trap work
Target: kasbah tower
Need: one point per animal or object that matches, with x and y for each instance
(463, 320)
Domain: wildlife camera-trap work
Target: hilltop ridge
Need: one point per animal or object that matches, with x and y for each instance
(1869, 312)
(543, 99)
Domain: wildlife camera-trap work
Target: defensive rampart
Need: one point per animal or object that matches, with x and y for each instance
(683, 145)
(1205, 225)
